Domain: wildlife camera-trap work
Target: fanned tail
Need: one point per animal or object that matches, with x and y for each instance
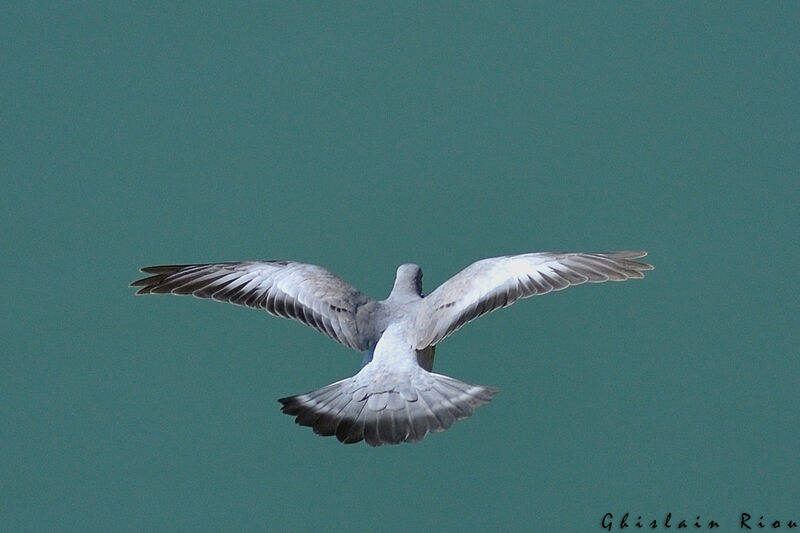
(383, 406)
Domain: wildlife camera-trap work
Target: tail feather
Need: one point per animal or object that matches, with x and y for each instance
(326, 422)
(438, 411)
(381, 405)
(418, 415)
(371, 435)
(351, 430)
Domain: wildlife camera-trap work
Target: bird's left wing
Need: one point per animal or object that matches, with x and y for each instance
(307, 293)
(498, 282)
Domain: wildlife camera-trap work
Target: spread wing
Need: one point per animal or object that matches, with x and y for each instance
(498, 282)
(306, 293)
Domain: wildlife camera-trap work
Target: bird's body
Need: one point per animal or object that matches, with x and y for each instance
(395, 397)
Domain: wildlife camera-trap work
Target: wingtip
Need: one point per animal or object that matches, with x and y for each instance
(631, 255)
(143, 283)
(644, 266)
(156, 271)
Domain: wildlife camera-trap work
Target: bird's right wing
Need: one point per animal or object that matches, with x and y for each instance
(307, 293)
(498, 282)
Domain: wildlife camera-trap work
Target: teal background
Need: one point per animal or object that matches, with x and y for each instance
(361, 136)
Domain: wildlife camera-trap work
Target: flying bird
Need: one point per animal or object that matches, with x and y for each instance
(395, 397)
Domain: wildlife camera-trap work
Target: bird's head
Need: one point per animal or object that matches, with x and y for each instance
(408, 281)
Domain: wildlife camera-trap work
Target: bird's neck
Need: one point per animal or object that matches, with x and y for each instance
(405, 290)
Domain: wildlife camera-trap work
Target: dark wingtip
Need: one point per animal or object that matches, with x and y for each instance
(159, 272)
(160, 269)
(144, 283)
(287, 404)
(138, 282)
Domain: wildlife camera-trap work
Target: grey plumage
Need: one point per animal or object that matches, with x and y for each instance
(395, 397)
(382, 413)
(306, 293)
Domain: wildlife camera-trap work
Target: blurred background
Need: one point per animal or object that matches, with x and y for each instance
(361, 136)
